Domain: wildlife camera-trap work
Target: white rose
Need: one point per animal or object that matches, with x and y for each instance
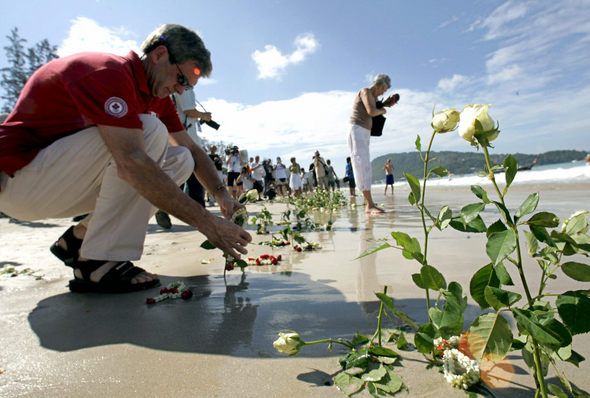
(471, 114)
(445, 120)
(289, 343)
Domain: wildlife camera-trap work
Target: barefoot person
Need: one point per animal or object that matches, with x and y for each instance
(388, 167)
(98, 133)
(359, 134)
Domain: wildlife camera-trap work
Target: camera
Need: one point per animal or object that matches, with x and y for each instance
(234, 150)
(211, 123)
(391, 100)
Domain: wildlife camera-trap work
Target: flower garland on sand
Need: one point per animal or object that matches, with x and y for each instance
(174, 290)
(459, 370)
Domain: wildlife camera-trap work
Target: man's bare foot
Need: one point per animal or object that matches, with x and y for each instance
(374, 210)
(97, 275)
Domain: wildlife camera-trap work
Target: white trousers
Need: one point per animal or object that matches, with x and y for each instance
(77, 175)
(358, 142)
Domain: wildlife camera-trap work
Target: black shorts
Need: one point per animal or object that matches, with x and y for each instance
(351, 183)
(258, 186)
(231, 178)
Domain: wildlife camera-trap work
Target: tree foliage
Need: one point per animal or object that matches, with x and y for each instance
(463, 162)
(22, 62)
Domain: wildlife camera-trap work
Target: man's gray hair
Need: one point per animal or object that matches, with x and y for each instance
(183, 45)
(382, 79)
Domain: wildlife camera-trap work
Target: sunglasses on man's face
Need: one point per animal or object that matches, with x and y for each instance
(183, 80)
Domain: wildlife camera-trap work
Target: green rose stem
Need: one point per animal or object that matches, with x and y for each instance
(329, 341)
(538, 371)
(378, 331)
(421, 207)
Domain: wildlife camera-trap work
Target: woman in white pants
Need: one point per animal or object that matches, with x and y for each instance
(364, 109)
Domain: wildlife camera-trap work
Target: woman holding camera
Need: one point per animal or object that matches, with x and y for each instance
(364, 109)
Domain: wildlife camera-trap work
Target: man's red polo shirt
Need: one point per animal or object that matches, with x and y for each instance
(69, 94)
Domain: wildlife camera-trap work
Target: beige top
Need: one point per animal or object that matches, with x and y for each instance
(360, 116)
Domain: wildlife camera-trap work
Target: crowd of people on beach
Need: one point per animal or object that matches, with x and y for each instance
(114, 137)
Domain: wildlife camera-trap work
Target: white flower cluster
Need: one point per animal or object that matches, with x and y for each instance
(451, 342)
(460, 370)
(174, 290)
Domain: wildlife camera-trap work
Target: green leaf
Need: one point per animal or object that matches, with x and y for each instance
(559, 330)
(490, 334)
(573, 308)
(557, 391)
(480, 193)
(417, 143)
(511, 167)
(504, 211)
(432, 278)
(402, 342)
(207, 245)
(485, 276)
(359, 339)
(544, 219)
(500, 245)
(444, 218)
(417, 278)
(471, 211)
(542, 235)
(383, 352)
(373, 249)
(503, 275)
(577, 271)
(577, 223)
(440, 171)
(348, 384)
(499, 298)
(387, 301)
(414, 185)
(498, 226)
(532, 243)
(412, 199)
(527, 321)
(477, 225)
(424, 337)
(393, 383)
(528, 206)
(375, 375)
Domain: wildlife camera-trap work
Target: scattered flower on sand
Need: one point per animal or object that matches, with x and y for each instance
(174, 290)
(460, 370)
(288, 343)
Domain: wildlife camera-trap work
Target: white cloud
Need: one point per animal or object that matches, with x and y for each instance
(506, 74)
(449, 84)
(87, 35)
(501, 16)
(272, 63)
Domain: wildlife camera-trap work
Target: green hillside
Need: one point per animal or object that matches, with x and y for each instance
(462, 162)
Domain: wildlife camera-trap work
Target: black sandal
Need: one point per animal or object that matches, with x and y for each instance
(69, 255)
(116, 280)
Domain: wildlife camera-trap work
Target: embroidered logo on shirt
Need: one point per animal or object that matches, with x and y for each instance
(116, 107)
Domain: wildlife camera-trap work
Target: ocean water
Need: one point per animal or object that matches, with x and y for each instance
(552, 174)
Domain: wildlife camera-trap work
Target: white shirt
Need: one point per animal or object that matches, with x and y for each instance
(184, 102)
(257, 172)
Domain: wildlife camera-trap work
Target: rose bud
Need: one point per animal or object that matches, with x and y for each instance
(289, 343)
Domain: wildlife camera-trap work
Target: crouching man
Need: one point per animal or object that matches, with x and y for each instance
(98, 133)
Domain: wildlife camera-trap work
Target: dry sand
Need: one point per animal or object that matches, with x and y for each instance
(219, 343)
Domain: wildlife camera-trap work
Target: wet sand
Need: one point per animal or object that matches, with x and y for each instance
(219, 343)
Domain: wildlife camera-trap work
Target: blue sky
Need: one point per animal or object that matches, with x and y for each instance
(285, 73)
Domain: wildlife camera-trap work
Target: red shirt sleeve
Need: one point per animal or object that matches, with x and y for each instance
(106, 97)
